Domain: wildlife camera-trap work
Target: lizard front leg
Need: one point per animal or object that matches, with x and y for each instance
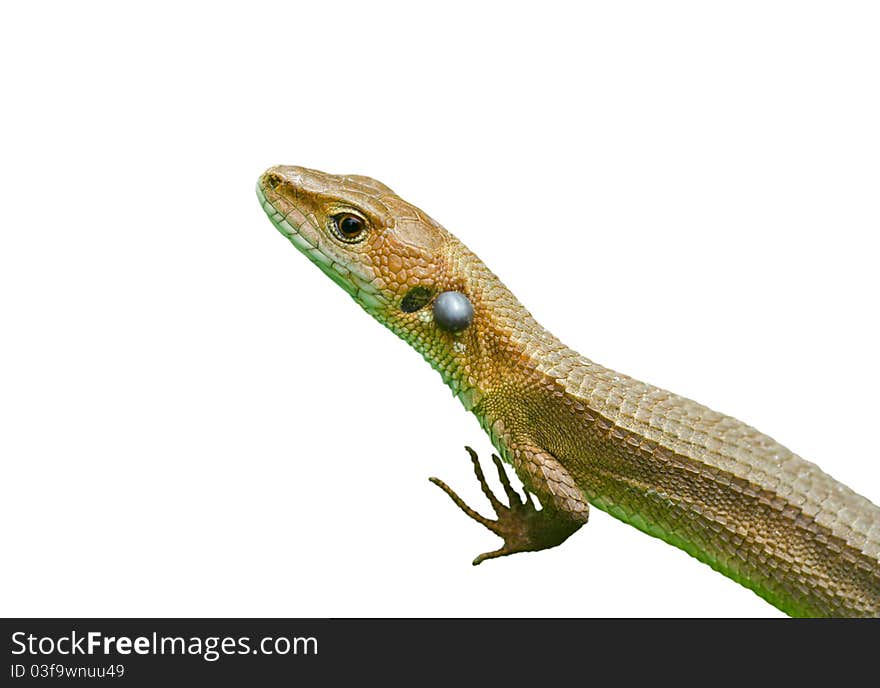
(522, 526)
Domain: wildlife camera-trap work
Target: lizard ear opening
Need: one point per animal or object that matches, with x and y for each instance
(415, 299)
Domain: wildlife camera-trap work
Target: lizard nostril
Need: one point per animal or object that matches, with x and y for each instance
(273, 180)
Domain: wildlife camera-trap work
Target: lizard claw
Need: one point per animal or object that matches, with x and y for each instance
(522, 526)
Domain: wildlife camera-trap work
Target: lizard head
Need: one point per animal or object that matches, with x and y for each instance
(373, 244)
(393, 259)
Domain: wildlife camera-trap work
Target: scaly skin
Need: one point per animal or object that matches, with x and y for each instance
(576, 432)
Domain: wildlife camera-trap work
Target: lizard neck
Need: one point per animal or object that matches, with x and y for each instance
(503, 353)
(504, 347)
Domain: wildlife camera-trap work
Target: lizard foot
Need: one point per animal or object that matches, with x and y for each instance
(522, 526)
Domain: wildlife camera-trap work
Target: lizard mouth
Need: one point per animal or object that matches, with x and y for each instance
(303, 232)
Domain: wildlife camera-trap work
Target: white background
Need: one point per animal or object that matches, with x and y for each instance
(195, 421)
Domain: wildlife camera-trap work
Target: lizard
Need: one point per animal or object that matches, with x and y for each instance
(577, 433)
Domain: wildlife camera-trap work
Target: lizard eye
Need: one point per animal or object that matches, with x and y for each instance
(349, 227)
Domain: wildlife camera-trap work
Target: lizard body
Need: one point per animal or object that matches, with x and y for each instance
(576, 432)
